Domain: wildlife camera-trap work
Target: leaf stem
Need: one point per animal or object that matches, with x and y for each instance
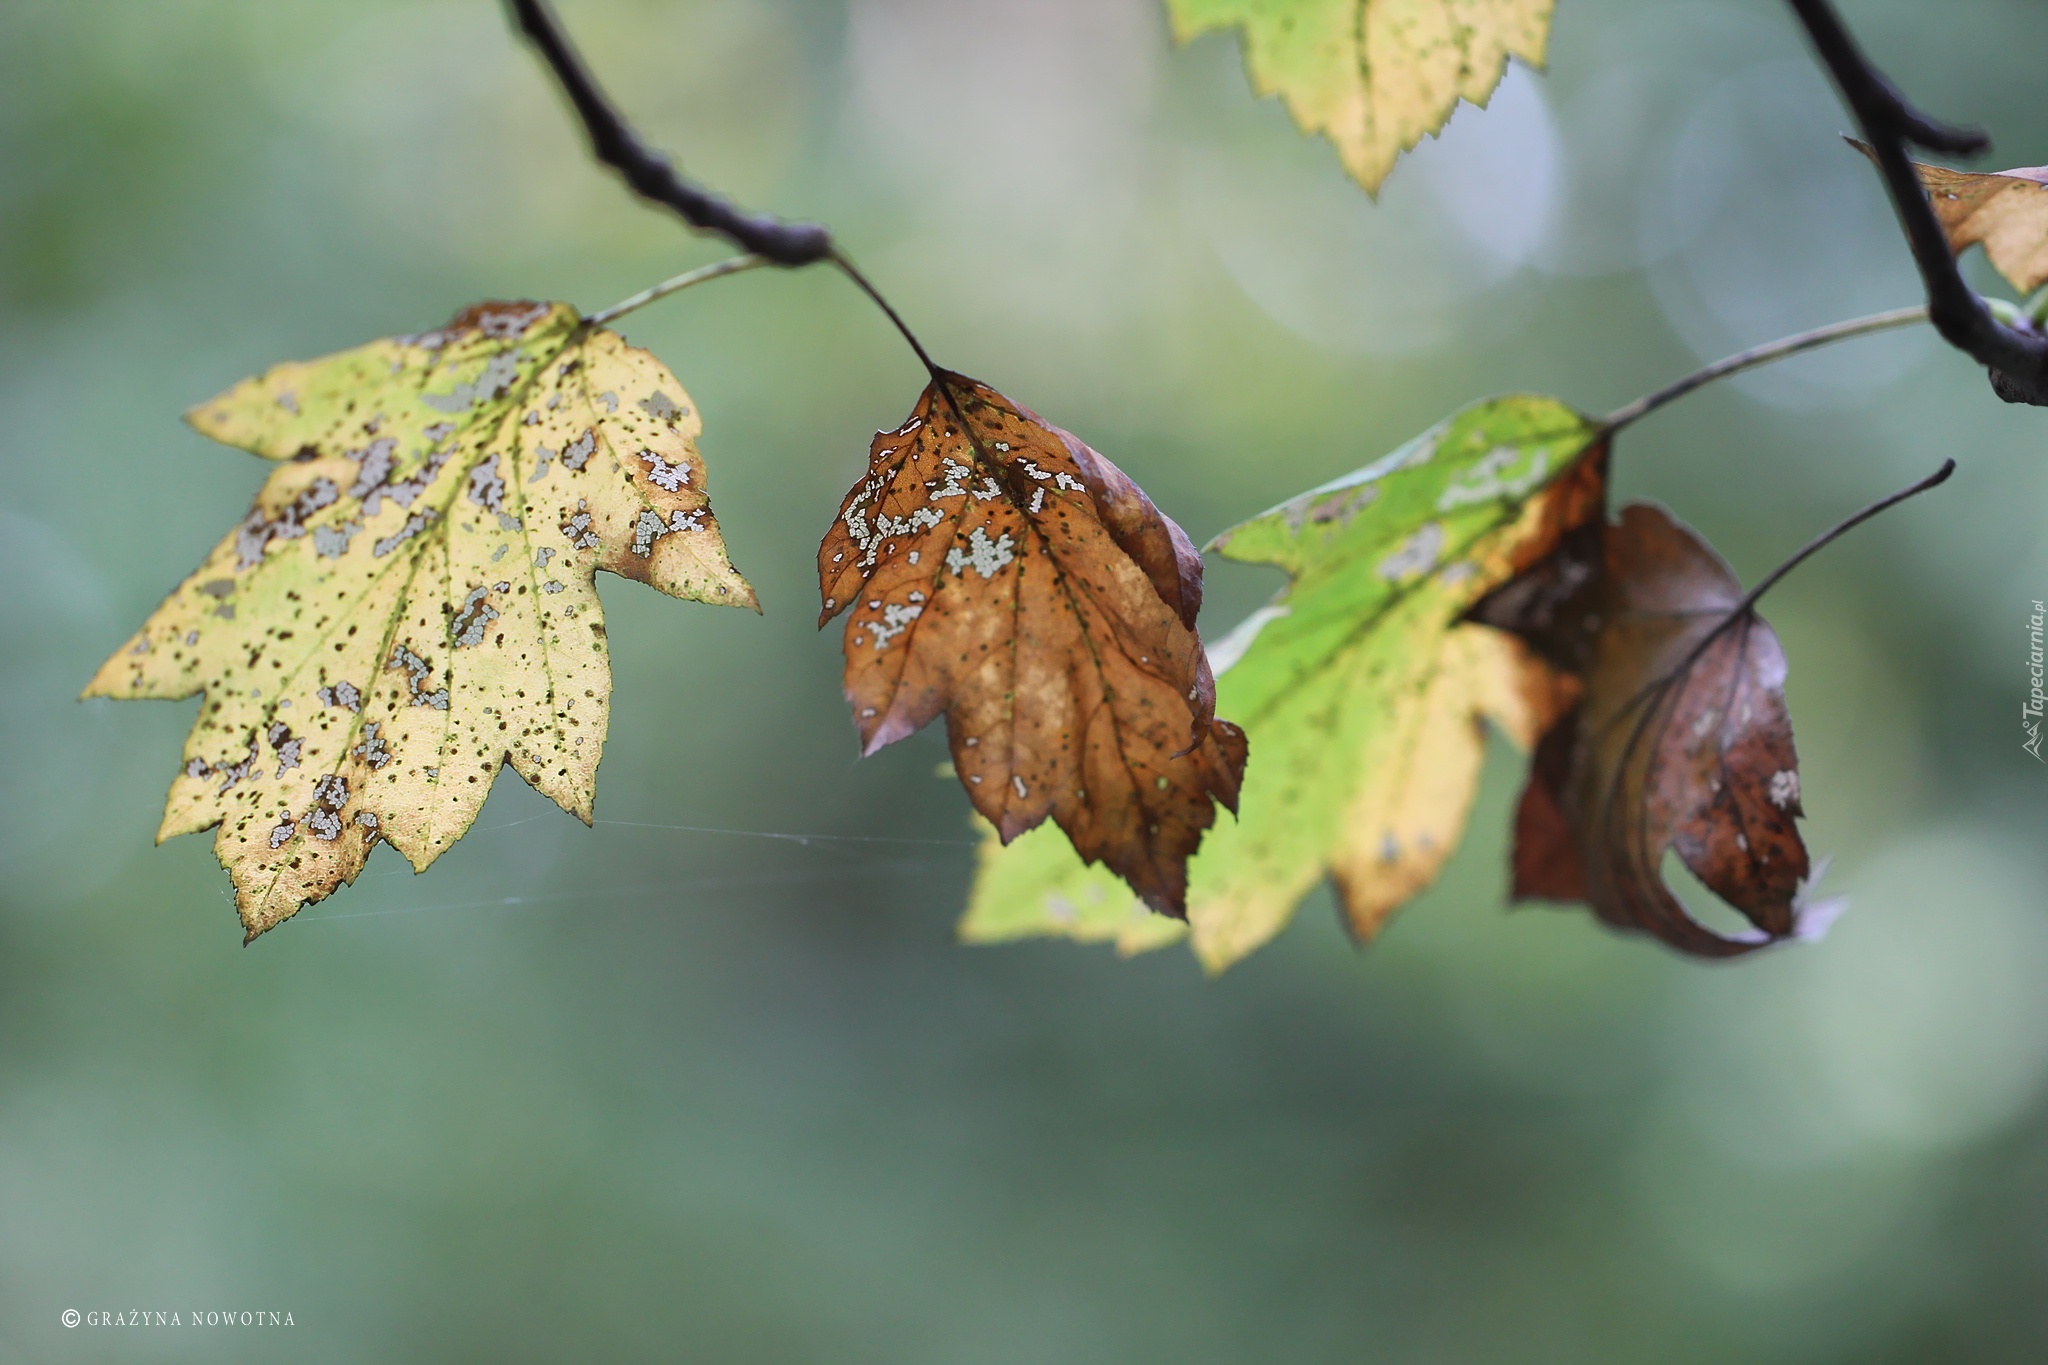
(732, 265)
(1840, 529)
(1765, 354)
(940, 378)
(852, 272)
(1744, 611)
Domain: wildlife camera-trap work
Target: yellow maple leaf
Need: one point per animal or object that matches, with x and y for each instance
(410, 604)
(1374, 76)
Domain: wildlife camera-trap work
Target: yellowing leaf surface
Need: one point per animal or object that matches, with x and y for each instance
(1374, 76)
(1359, 688)
(410, 603)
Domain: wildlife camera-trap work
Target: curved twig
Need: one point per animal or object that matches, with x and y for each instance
(648, 172)
(1764, 354)
(2018, 360)
(730, 265)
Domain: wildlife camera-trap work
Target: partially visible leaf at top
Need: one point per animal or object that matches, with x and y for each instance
(409, 604)
(1001, 573)
(1374, 76)
(1360, 691)
(2006, 211)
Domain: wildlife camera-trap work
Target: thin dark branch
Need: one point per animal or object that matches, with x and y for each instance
(2018, 360)
(647, 171)
(1868, 91)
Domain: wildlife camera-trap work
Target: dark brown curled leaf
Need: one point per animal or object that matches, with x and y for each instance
(1680, 743)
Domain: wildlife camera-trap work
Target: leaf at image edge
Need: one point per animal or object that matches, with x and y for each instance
(1372, 77)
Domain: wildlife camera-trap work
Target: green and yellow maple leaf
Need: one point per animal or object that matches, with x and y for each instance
(410, 604)
(1360, 689)
(1374, 76)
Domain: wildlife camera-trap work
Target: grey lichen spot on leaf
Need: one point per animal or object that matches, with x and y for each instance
(983, 555)
(286, 746)
(646, 531)
(373, 750)
(420, 674)
(580, 450)
(577, 527)
(650, 528)
(414, 524)
(257, 530)
(377, 460)
(330, 794)
(663, 474)
(503, 322)
(1489, 480)
(331, 542)
(486, 488)
(660, 406)
(1416, 555)
(405, 491)
(1342, 507)
(497, 376)
(237, 772)
(472, 619)
(341, 694)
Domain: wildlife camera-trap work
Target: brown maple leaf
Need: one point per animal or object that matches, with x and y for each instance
(2005, 211)
(1680, 742)
(1002, 573)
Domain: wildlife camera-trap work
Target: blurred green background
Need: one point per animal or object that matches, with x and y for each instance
(646, 1092)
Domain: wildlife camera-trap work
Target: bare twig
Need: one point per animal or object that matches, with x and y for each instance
(1765, 354)
(767, 240)
(648, 172)
(1840, 529)
(2018, 360)
(729, 266)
